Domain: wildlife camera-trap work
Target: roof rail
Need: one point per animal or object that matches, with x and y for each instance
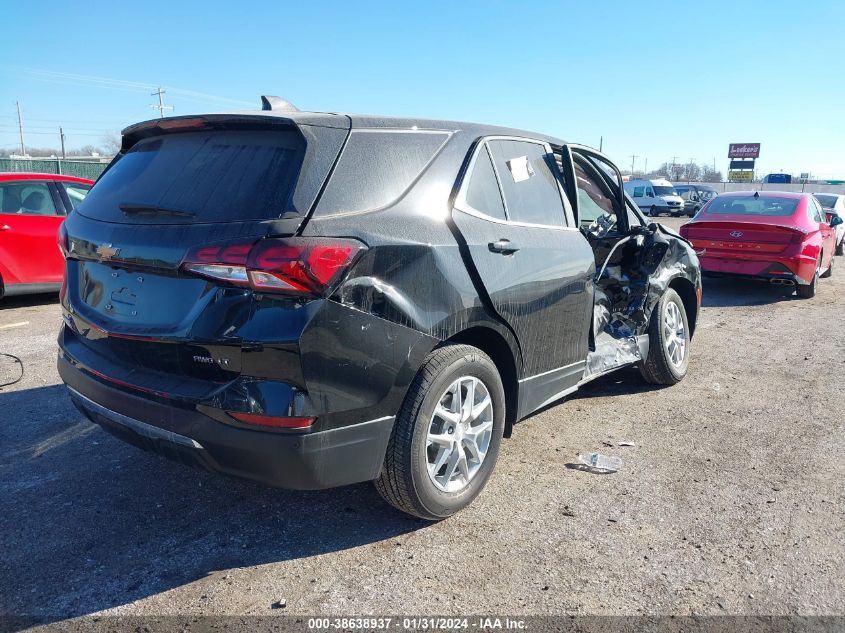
(269, 102)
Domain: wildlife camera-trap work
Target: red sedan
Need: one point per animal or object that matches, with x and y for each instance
(32, 206)
(768, 235)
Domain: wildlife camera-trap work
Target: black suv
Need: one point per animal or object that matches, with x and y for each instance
(311, 300)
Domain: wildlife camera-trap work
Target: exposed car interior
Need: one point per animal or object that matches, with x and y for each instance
(621, 244)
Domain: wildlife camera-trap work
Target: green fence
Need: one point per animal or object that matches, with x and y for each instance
(81, 168)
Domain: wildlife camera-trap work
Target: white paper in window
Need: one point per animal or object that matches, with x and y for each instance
(520, 168)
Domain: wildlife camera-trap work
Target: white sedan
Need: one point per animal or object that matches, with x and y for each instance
(834, 204)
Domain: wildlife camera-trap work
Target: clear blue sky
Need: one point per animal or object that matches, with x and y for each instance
(654, 79)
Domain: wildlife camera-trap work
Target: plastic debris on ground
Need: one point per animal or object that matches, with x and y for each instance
(601, 463)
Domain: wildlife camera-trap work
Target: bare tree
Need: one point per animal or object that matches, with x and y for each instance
(664, 171)
(710, 175)
(111, 143)
(690, 172)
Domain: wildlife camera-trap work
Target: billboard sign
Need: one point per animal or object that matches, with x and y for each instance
(740, 176)
(742, 164)
(744, 150)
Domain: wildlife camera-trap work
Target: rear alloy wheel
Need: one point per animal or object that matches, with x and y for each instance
(447, 435)
(669, 342)
(808, 291)
(829, 271)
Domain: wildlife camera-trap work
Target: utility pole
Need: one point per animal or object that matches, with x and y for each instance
(62, 138)
(20, 128)
(672, 175)
(633, 158)
(645, 169)
(691, 162)
(601, 142)
(160, 107)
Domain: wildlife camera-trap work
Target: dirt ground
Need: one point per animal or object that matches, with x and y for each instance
(731, 501)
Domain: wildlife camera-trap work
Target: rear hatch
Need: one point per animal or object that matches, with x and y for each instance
(198, 189)
(734, 237)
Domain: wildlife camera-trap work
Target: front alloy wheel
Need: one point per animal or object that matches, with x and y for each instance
(674, 334)
(668, 341)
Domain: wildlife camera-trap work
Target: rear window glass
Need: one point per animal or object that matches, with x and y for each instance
(750, 205)
(201, 177)
(377, 167)
(76, 192)
(483, 191)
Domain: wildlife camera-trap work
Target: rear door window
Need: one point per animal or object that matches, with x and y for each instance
(209, 176)
(529, 184)
(76, 192)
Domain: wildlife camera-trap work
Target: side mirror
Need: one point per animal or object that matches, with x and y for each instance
(836, 220)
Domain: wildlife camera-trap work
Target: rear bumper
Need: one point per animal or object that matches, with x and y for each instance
(797, 269)
(301, 461)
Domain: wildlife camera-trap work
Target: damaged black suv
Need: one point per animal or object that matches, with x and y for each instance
(311, 300)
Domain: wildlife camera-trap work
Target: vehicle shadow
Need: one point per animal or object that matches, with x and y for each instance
(723, 292)
(91, 523)
(29, 301)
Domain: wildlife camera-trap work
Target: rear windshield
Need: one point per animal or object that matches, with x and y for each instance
(200, 177)
(827, 201)
(749, 205)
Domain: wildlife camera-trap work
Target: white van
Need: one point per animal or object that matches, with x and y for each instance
(655, 196)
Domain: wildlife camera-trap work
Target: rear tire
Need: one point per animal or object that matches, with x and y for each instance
(840, 248)
(809, 291)
(409, 478)
(829, 271)
(665, 365)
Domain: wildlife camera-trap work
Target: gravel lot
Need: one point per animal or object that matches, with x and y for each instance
(731, 501)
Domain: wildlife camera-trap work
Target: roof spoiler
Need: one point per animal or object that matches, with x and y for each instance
(277, 104)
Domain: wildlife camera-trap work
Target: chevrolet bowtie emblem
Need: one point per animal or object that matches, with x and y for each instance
(106, 251)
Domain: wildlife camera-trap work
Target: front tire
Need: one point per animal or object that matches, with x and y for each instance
(669, 342)
(447, 435)
(652, 211)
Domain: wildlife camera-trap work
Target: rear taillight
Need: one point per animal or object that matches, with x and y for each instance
(297, 265)
(272, 421)
(62, 240)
